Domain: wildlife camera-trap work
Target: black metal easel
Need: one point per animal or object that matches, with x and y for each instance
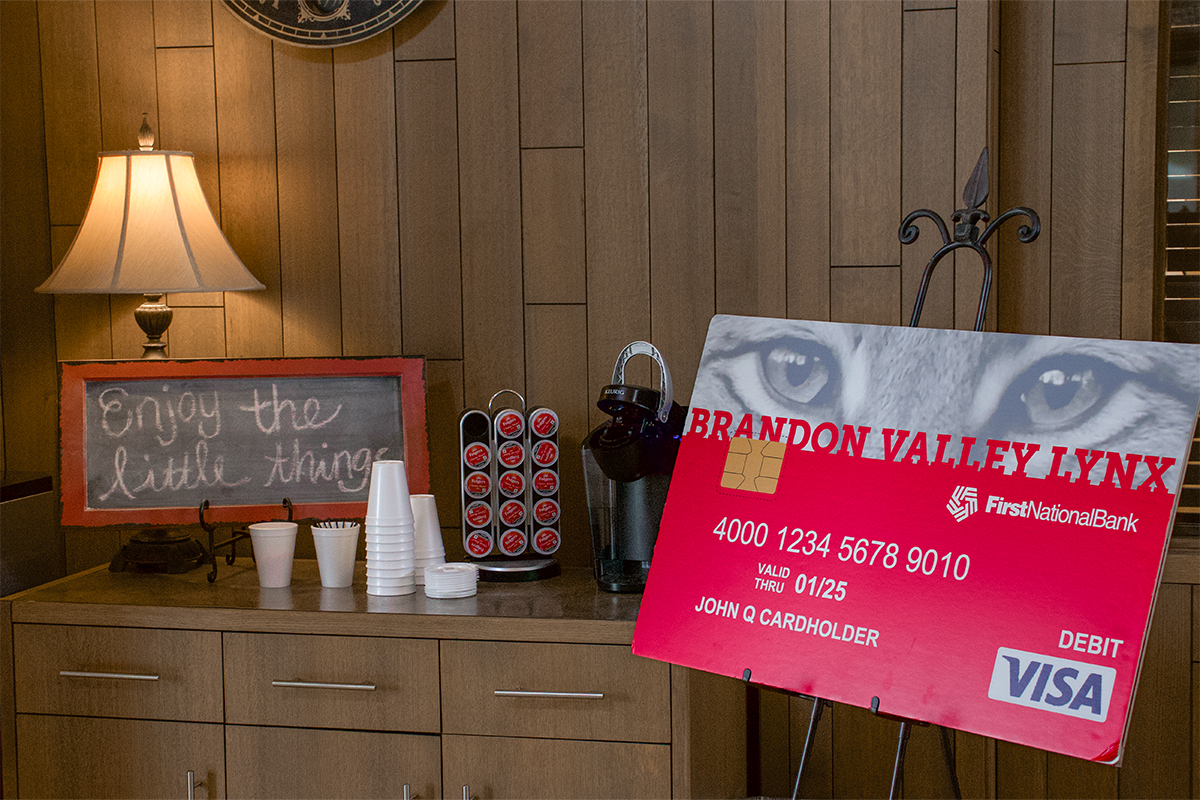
(966, 235)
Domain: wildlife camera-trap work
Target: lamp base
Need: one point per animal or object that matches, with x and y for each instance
(153, 317)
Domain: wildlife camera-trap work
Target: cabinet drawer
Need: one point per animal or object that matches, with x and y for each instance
(494, 767)
(87, 757)
(557, 691)
(301, 763)
(331, 681)
(118, 672)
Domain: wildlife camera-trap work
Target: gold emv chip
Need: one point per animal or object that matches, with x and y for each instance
(753, 465)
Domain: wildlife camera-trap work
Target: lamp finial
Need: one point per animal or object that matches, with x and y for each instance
(145, 134)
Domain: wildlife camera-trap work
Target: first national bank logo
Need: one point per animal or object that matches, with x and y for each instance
(964, 502)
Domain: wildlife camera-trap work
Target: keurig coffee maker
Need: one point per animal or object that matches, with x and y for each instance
(627, 463)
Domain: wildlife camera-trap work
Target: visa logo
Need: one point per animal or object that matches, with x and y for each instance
(1049, 683)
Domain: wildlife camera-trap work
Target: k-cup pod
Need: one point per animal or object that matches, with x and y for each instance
(512, 483)
(478, 543)
(477, 455)
(545, 512)
(274, 546)
(479, 514)
(509, 424)
(544, 453)
(512, 542)
(388, 495)
(512, 513)
(477, 485)
(510, 454)
(546, 541)
(543, 423)
(545, 482)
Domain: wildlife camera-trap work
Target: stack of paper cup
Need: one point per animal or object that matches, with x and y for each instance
(389, 531)
(429, 548)
(451, 580)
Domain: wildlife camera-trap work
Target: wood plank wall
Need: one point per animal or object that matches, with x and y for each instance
(516, 190)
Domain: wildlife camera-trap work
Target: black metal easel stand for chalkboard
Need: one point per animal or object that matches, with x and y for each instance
(966, 235)
(210, 555)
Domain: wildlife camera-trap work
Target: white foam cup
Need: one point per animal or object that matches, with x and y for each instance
(427, 529)
(274, 548)
(336, 548)
(388, 495)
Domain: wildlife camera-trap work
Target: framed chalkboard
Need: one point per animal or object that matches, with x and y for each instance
(145, 442)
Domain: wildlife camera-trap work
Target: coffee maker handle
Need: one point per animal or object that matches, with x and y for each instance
(666, 394)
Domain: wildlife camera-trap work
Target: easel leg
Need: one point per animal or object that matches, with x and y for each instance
(898, 769)
(814, 718)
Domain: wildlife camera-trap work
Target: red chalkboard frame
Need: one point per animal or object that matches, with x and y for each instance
(73, 387)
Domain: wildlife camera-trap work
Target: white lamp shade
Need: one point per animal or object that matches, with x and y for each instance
(148, 230)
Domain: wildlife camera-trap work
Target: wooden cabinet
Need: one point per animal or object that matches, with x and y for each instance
(121, 684)
(62, 757)
(304, 763)
(493, 767)
(554, 691)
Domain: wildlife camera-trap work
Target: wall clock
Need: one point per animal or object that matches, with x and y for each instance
(321, 23)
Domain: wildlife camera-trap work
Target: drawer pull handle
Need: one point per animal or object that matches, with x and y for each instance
(573, 695)
(364, 687)
(68, 673)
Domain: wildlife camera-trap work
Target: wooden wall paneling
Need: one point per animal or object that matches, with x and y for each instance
(1089, 31)
(82, 322)
(187, 113)
(860, 742)
(972, 129)
(427, 32)
(28, 374)
(250, 185)
(1026, 62)
(870, 295)
(616, 187)
(551, 73)
(1195, 724)
(187, 120)
(126, 335)
(427, 161)
(200, 332)
(184, 23)
(368, 218)
(680, 91)
(975, 757)
(489, 180)
(1156, 759)
(926, 773)
(557, 377)
(125, 38)
(1143, 237)
(808, 148)
(927, 160)
(443, 404)
(71, 105)
(125, 49)
(769, 713)
(1068, 777)
(1086, 176)
(817, 780)
(306, 171)
(1020, 771)
(749, 157)
(864, 198)
(552, 223)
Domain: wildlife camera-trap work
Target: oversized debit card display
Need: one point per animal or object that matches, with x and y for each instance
(969, 526)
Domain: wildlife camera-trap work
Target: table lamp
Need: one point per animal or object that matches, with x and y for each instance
(148, 230)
